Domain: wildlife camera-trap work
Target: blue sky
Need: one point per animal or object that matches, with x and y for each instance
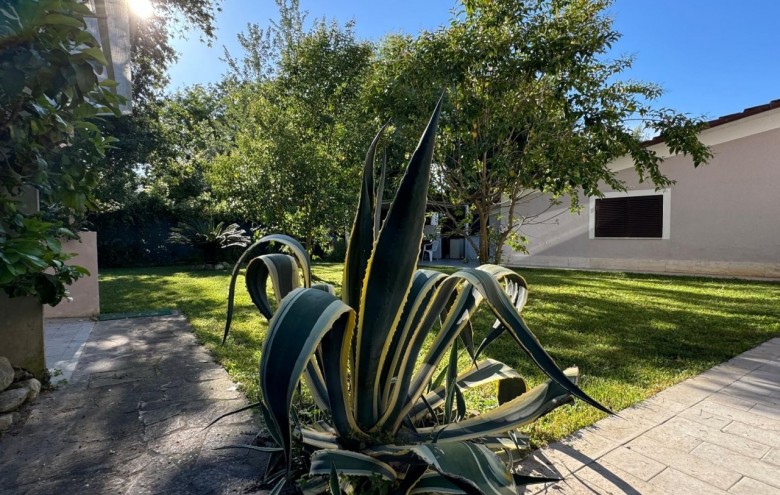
(712, 57)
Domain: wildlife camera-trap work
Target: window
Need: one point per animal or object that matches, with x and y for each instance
(637, 214)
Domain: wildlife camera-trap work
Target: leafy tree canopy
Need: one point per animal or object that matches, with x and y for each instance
(49, 143)
(299, 121)
(534, 104)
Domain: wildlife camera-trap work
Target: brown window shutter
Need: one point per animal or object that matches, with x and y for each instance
(634, 216)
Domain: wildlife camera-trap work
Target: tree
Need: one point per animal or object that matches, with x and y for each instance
(296, 98)
(193, 130)
(534, 106)
(49, 143)
(141, 133)
(152, 53)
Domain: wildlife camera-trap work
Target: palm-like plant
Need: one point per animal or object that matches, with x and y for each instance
(359, 355)
(208, 237)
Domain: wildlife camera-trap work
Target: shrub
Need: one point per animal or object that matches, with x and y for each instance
(49, 144)
(209, 238)
(390, 419)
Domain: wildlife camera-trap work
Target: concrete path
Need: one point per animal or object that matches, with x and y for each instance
(64, 340)
(718, 433)
(130, 421)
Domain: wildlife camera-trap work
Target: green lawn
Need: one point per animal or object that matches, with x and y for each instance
(631, 335)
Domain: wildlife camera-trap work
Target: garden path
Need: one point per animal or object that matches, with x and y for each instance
(131, 420)
(717, 433)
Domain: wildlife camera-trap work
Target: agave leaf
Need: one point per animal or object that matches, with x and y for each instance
(450, 386)
(269, 423)
(380, 191)
(484, 372)
(467, 336)
(523, 480)
(505, 442)
(460, 404)
(313, 378)
(350, 463)
(303, 319)
(325, 287)
(423, 285)
(389, 275)
(471, 467)
(298, 251)
(283, 271)
(361, 238)
(279, 487)
(334, 481)
(482, 284)
(433, 482)
(319, 439)
(518, 295)
(485, 282)
(386, 375)
(314, 486)
(412, 476)
(405, 393)
(509, 416)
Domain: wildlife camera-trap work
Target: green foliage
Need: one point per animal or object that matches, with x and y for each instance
(208, 237)
(159, 159)
(535, 107)
(156, 176)
(49, 143)
(362, 361)
(294, 101)
(150, 39)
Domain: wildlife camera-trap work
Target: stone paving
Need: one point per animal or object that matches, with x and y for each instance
(717, 433)
(131, 421)
(64, 340)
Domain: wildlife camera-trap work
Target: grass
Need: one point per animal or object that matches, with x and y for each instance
(631, 335)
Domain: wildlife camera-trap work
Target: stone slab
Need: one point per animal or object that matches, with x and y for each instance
(716, 433)
(137, 428)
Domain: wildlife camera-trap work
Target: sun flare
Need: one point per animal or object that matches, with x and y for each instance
(143, 9)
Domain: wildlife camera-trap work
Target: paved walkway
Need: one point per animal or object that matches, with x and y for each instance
(718, 433)
(64, 340)
(131, 418)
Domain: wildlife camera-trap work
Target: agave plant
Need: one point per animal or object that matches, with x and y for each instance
(393, 415)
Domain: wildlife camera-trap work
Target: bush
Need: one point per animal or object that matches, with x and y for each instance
(49, 94)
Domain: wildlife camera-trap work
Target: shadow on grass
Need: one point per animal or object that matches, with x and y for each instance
(631, 334)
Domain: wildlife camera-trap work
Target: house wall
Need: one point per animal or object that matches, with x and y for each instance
(724, 219)
(84, 291)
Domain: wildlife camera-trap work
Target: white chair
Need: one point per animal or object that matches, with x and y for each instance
(429, 248)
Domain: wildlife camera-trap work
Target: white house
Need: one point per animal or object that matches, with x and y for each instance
(722, 218)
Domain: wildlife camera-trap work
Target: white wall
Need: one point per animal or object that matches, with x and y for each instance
(724, 218)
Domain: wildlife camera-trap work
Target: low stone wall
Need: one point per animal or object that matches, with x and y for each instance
(84, 292)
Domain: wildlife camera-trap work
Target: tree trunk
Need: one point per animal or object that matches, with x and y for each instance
(484, 239)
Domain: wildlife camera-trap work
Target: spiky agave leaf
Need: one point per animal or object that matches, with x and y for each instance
(389, 275)
(361, 239)
(301, 256)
